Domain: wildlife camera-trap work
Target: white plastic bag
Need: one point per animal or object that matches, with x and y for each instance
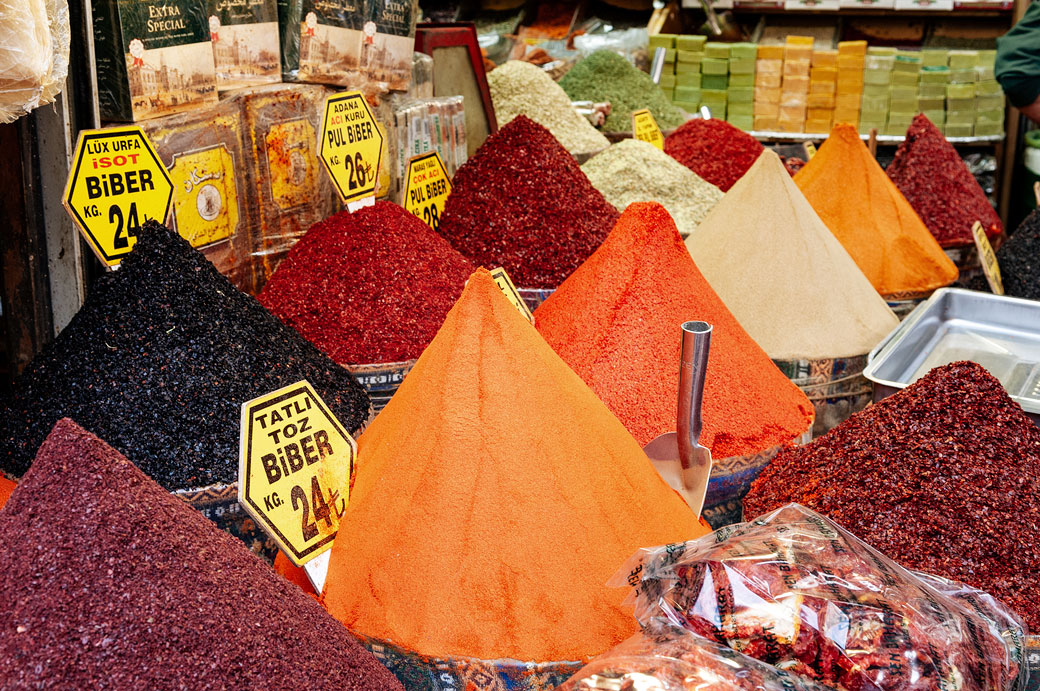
(34, 54)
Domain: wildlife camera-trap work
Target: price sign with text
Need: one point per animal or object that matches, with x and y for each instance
(644, 127)
(295, 465)
(350, 145)
(427, 188)
(505, 284)
(988, 259)
(117, 182)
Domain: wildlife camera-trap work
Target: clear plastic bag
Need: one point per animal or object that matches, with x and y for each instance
(34, 54)
(798, 591)
(670, 659)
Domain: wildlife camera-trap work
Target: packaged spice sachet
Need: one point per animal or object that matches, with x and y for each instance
(871, 218)
(495, 495)
(796, 590)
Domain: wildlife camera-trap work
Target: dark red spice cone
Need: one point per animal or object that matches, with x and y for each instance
(108, 581)
(714, 149)
(935, 180)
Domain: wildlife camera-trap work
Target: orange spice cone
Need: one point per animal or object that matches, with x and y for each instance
(495, 496)
(872, 219)
(616, 322)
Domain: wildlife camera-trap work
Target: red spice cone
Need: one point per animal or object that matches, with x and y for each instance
(6, 487)
(616, 322)
(714, 149)
(935, 180)
(495, 496)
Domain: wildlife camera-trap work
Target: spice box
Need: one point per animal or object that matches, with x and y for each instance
(1000, 333)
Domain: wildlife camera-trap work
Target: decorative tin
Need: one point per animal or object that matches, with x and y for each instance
(245, 41)
(153, 57)
(381, 380)
(419, 672)
(836, 387)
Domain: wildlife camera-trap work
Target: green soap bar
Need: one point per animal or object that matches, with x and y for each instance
(989, 116)
(879, 62)
(990, 102)
(741, 94)
(938, 117)
(905, 79)
(714, 49)
(747, 109)
(878, 90)
(689, 79)
(988, 87)
(988, 129)
(905, 65)
(691, 42)
(931, 103)
(903, 92)
(714, 66)
(746, 123)
(688, 106)
(687, 68)
(902, 117)
(669, 55)
(877, 77)
(958, 130)
(905, 105)
(893, 130)
(934, 58)
(688, 56)
(934, 78)
(717, 110)
(669, 92)
(742, 66)
(714, 96)
(687, 93)
(987, 55)
(960, 91)
(960, 117)
(962, 76)
(667, 81)
(881, 50)
(743, 50)
(931, 90)
(961, 104)
(914, 55)
(714, 81)
(741, 79)
(661, 41)
(959, 59)
(983, 72)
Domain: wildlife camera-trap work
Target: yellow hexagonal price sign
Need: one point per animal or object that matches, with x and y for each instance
(295, 465)
(117, 182)
(350, 145)
(427, 188)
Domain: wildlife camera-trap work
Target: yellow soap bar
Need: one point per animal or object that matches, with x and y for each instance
(766, 95)
(798, 53)
(825, 58)
(823, 74)
(771, 66)
(801, 41)
(790, 125)
(766, 124)
(788, 112)
(846, 115)
(767, 110)
(847, 101)
(822, 88)
(851, 62)
(769, 81)
(770, 52)
(796, 68)
(819, 113)
(852, 47)
(796, 84)
(820, 100)
(818, 126)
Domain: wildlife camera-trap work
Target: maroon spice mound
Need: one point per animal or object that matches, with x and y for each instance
(370, 286)
(934, 179)
(941, 477)
(108, 581)
(522, 203)
(714, 149)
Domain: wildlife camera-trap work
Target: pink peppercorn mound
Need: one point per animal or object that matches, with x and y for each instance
(522, 203)
(370, 286)
(109, 581)
(714, 149)
(934, 179)
(941, 477)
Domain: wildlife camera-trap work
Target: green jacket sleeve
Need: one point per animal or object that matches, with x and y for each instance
(1018, 59)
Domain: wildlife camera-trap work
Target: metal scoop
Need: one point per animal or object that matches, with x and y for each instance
(678, 456)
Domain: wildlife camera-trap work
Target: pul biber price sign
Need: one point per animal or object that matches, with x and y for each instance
(645, 128)
(427, 188)
(117, 182)
(350, 145)
(295, 465)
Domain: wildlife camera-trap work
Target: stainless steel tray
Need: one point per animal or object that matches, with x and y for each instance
(1000, 333)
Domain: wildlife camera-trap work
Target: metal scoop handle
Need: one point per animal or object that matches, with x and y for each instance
(696, 344)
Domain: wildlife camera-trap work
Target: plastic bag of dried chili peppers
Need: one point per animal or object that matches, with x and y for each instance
(665, 658)
(797, 591)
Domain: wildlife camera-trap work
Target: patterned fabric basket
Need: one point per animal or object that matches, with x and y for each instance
(1032, 658)
(381, 380)
(836, 387)
(219, 503)
(730, 481)
(419, 672)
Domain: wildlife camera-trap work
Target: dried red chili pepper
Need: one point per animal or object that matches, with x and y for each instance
(714, 149)
(940, 477)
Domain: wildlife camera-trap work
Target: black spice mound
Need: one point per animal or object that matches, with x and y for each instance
(108, 581)
(1019, 261)
(158, 363)
(941, 477)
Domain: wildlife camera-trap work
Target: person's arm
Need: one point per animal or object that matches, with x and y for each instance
(1032, 111)
(1017, 66)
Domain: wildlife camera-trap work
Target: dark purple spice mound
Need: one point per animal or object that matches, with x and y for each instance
(941, 477)
(158, 363)
(523, 203)
(108, 581)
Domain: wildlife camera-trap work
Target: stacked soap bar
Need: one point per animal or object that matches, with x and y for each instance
(879, 63)
(849, 86)
(931, 86)
(974, 101)
(715, 78)
(904, 101)
(740, 91)
(689, 55)
(769, 74)
(794, 88)
(823, 88)
(668, 77)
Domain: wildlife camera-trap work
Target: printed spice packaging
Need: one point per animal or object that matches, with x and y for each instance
(136, 589)
(783, 274)
(713, 149)
(616, 320)
(935, 180)
(490, 529)
(522, 203)
(940, 477)
(871, 218)
(369, 286)
(159, 360)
